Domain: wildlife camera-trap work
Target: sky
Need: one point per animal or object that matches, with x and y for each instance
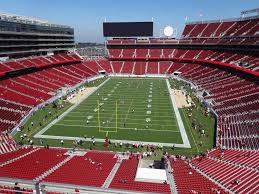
(87, 16)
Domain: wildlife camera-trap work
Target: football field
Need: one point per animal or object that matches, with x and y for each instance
(124, 109)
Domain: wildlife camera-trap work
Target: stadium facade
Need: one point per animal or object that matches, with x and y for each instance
(25, 36)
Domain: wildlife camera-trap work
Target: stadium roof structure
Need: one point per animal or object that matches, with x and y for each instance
(28, 20)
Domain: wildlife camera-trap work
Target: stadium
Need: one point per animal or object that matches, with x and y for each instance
(176, 113)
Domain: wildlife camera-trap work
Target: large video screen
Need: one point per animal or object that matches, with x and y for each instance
(127, 29)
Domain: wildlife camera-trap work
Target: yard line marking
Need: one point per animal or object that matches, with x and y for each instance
(125, 128)
(145, 124)
(140, 105)
(139, 102)
(137, 119)
(144, 115)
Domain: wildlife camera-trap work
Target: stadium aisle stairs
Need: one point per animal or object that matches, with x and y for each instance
(45, 174)
(226, 174)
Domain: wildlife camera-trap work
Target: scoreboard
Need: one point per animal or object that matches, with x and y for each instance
(127, 29)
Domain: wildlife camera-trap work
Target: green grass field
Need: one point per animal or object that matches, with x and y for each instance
(130, 109)
(206, 123)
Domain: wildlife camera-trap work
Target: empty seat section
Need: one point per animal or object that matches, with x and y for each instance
(187, 179)
(164, 66)
(155, 53)
(33, 165)
(14, 154)
(89, 170)
(140, 68)
(115, 53)
(105, 65)
(128, 67)
(152, 67)
(141, 53)
(128, 53)
(117, 66)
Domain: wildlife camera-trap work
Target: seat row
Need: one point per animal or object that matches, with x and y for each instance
(239, 59)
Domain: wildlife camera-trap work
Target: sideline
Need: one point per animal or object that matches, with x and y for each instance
(185, 139)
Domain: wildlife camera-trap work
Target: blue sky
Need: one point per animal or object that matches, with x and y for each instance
(86, 16)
